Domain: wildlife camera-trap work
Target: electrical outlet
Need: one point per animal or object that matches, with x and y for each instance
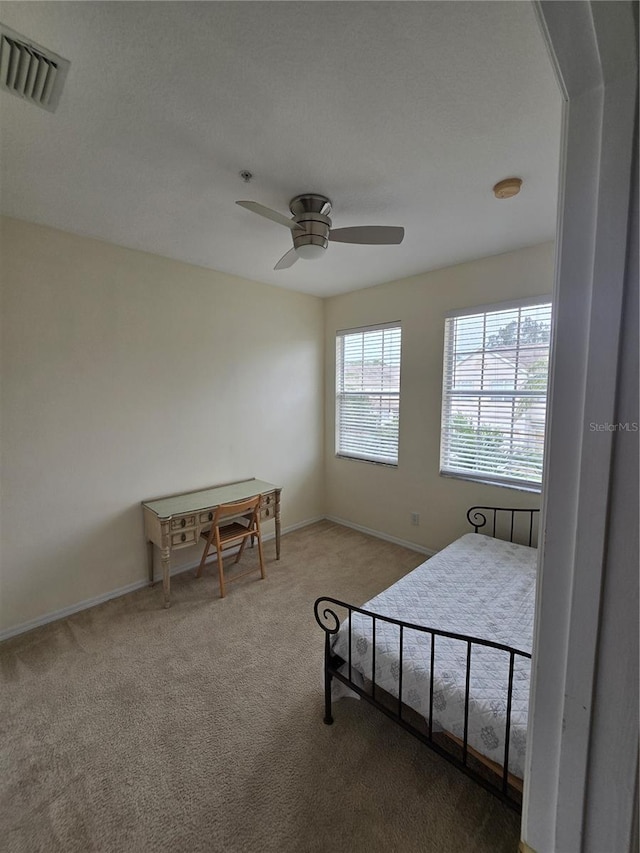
(415, 518)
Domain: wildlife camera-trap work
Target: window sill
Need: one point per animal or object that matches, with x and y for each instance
(369, 461)
(516, 487)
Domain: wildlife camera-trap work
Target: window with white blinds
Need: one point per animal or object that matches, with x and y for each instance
(368, 393)
(494, 398)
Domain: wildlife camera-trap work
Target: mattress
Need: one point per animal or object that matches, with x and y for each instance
(477, 586)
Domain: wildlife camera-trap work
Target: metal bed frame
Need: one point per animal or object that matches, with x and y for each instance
(496, 780)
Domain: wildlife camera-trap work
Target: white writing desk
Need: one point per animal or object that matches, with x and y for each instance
(178, 520)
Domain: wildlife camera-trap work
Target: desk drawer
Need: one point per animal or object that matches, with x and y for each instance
(268, 508)
(206, 517)
(187, 537)
(181, 523)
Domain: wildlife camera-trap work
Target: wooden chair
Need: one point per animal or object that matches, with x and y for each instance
(227, 529)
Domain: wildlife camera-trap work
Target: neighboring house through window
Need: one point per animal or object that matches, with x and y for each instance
(494, 399)
(368, 393)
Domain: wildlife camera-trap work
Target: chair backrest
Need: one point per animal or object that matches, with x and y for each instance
(238, 508)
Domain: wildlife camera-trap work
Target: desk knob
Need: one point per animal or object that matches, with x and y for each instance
(183, 522)
(184, 537)
(210, 516)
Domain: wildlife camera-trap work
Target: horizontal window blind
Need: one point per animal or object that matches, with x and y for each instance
(368, 393)
(494, 396)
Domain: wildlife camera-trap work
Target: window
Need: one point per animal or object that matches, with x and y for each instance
(368, 393)
(494, 396)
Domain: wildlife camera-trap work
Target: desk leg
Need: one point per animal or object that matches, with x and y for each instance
(166, 580)
(150, 561)
(278, 536)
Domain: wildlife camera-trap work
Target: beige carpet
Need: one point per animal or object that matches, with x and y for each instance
(131, 728)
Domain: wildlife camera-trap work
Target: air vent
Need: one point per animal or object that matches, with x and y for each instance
(30, 71)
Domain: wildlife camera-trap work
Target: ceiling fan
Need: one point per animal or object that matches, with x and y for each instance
(311, 229)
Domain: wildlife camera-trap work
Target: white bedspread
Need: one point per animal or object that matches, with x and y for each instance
(477, 586)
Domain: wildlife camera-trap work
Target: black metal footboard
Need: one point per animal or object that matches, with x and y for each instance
(466, 759)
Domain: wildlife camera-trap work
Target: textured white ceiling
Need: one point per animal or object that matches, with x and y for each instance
(403, 113)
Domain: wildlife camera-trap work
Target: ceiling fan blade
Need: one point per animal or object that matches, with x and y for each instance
(273, 215)
(370, 235)
(287, 260)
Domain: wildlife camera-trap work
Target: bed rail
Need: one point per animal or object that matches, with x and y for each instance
(521, 523)
(329, 621)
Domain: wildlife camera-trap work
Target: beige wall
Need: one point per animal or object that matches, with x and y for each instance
(127, 376)
(380, 497)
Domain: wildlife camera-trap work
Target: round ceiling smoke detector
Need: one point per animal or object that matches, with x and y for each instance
(507, 188)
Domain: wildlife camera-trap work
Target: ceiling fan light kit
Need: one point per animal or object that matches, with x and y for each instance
(311, 228)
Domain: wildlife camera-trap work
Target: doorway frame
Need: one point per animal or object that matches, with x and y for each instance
(592, 46)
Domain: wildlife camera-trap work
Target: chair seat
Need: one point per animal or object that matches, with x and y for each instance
(231, 531)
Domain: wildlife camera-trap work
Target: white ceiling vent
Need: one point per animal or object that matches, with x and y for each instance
(30, 71)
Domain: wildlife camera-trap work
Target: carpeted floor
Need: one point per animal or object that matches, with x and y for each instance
(131, 728)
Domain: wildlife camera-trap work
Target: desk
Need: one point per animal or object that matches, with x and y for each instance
(177, 521)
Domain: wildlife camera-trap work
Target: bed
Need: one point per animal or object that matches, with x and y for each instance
(446, 651)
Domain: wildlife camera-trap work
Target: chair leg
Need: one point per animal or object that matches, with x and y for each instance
(205, 554)
(239, 554)
(220, 570)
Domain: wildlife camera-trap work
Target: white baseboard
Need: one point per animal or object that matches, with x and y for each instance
(69, 611)
(297, 526)
(7, 633)
(387, 538)
(123, 590)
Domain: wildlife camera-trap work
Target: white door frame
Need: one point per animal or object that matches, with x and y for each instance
(592, 46)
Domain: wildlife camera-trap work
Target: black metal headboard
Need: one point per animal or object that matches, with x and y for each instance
(487, 516)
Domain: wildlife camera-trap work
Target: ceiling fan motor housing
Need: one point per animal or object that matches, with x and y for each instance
(311, 212)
